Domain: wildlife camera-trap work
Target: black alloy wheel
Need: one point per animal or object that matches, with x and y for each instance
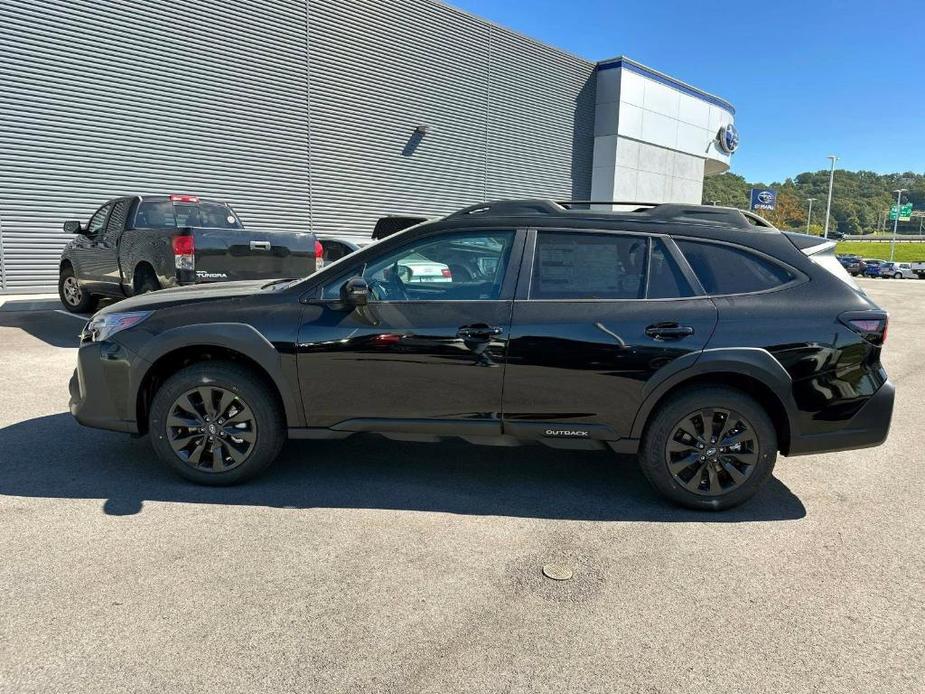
(712, 451)
(211, 429)
(709, 447)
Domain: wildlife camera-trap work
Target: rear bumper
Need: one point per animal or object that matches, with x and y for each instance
(99, 388)
(869, 427)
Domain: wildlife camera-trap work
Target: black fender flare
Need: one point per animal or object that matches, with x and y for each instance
(238, 337)
(754, 362)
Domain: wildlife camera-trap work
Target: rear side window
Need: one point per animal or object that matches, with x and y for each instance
(725, 269)
(574, 265)
(666, 281)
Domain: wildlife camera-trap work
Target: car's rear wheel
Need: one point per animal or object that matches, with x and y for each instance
(216, 423)
(898, 276)
(146, 280)
(74, 297)
(709, 448)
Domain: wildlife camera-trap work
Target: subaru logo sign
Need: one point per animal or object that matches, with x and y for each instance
(728, 138)
(763, 199)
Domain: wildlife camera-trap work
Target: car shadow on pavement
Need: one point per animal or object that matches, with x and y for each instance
(54, 457)
(49, 326)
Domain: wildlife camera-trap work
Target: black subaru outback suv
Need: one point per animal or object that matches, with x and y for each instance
(700, 337)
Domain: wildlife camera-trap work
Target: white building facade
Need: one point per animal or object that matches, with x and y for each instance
(655, 138)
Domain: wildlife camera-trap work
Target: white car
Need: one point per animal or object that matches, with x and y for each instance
(898, 271)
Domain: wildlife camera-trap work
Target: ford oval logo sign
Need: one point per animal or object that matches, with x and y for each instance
(728, 138)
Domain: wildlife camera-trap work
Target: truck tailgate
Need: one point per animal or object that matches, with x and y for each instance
(239, 254)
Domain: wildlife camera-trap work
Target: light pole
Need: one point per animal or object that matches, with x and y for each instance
(809, 216)
(828, 207)
(899, 195)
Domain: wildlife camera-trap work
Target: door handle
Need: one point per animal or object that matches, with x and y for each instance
(480, 331)
(260, 245)
(669, 331)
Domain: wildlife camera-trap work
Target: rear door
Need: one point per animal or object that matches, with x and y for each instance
(597, 314)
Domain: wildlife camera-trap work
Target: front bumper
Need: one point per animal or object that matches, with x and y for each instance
(101, 385)
(869, 427)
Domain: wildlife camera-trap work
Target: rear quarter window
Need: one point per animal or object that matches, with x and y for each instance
(724, 269)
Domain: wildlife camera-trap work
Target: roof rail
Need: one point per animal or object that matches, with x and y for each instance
(568, 203)
(510, 207)
(660, 211)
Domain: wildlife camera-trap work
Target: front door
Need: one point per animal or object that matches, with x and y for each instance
(597, 315)
(90, 258)
(427, 354)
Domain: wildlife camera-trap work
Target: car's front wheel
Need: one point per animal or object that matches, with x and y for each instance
(216, 423)
(75, 298)
(709, 448)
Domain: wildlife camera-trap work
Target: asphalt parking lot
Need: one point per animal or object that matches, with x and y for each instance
(372, 565)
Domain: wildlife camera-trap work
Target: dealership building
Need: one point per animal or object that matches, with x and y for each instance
(321, 115)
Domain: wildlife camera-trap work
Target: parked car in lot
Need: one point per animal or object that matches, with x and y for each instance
(136, 244)
(701, 338)
(918, 267)
(336, 247)
(872, 267)
(897, 271)
(852, 264)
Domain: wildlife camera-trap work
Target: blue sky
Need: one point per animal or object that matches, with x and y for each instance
(807, 78)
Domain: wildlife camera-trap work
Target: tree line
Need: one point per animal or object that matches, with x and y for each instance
(860, 199)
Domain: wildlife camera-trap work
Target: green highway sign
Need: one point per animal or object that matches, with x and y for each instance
(905, 212)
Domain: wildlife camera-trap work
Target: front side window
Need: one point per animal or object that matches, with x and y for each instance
(578, 265)
(724, 269)
(467, 266)
(98, 221)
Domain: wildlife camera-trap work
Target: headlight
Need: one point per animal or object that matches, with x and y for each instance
(105, 326)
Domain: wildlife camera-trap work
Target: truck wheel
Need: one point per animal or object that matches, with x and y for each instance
(145, 281)
(216, 423)
(709, 448)
(72, 295)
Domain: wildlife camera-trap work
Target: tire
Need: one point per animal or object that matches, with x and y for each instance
(256, 437)
(663, 426)
(898, 276)
(75, 299)
(147, 281)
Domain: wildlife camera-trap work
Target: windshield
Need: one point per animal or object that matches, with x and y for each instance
(166, 214)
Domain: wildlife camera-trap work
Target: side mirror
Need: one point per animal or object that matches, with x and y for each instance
(355, 292)
(72, 227)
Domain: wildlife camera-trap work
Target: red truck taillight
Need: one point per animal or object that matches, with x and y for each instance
(184, 252)
(319, 255)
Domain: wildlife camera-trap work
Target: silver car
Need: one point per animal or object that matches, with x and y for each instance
(899, 271)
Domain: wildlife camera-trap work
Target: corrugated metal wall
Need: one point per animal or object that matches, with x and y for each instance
(102, 98)
(300, 113)
(507, 116)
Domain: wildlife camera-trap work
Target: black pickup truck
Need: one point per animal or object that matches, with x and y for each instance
(137, 244)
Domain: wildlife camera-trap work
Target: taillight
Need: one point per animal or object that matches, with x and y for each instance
(184, 252)
(184, 198)
(871, 326)
(446, 272)
(319, 256)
